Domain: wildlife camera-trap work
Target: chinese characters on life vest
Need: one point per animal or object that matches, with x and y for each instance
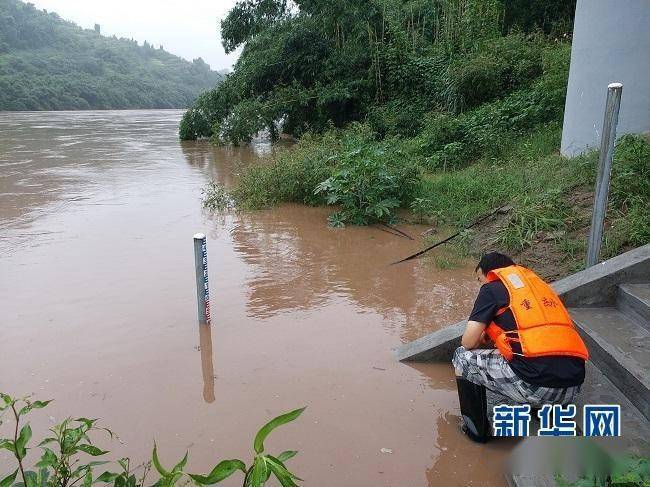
(557, 420)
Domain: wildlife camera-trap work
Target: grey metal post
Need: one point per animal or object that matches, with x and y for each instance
(201, 268)
(607, 139)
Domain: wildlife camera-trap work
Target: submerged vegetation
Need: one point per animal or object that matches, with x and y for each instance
(47, 63)
(69, 457)
(439, 110)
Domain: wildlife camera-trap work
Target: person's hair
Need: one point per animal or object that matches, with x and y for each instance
(493, 260)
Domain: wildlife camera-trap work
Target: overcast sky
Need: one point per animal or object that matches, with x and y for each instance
(186, 28)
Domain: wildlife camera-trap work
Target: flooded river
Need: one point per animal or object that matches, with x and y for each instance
(98, 311)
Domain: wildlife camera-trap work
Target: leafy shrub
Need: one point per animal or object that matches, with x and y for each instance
(63, 462)
(368, 179)
(290, 176)
(422, 208)
(630, 195)
(366, 185)
(631, 170)
(449, 141)
(626, 471)
(498, 67)
(194, 125)
(396, 118)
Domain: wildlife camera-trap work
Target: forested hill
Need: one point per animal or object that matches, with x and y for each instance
(47, 63)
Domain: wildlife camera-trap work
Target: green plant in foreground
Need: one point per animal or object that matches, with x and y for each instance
(627, 471)
(63, 462)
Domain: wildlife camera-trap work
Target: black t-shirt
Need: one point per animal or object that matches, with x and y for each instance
(552, 371)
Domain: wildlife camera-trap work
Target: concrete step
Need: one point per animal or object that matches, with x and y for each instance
(635, 428)
(573, 453)
(618, 346)
(634, 300)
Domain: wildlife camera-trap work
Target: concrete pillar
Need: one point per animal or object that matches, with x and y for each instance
(611, 43)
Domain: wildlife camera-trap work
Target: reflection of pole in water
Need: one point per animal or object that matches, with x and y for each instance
(207, 367)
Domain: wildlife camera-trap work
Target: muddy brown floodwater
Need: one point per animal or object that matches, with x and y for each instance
(98, 311)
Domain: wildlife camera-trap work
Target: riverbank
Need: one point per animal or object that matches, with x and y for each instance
(550, 196)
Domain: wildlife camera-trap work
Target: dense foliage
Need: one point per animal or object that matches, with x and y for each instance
(321, 63)
(47, 63)
(448, 108)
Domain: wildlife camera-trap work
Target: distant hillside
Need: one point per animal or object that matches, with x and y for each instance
(47, 63)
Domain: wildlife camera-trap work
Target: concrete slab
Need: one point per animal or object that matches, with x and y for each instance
(635, 428)
(595, 286)
(634, 300)
(437, 346)
(619, 347)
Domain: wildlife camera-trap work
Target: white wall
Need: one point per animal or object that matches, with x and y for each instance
(611, 43)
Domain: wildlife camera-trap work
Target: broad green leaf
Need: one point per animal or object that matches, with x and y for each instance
(33, 405)
(87, 422)
(223, 470)
(46, 441)
(171, 480)
(258, 444)
(286, 455)
(281, 473)
(7, 445)
(21, 442)
(88, 479)
(91, 450)
(48, 458)
(31, 479)
(9, 479)
(107, 477)
(258, 474)
(83, 469)
(43, 475)
(179, 466)
(272, 460)
(156, 462)
(40, 404)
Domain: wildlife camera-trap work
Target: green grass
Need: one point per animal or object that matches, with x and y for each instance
(528, 173)
(540, 185)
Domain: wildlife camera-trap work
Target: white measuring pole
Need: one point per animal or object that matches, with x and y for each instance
(607, 139)
(201, 268)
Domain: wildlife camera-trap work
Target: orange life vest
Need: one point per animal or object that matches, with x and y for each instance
(544, 327)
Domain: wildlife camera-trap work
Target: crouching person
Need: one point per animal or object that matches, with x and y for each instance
(520, 346)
